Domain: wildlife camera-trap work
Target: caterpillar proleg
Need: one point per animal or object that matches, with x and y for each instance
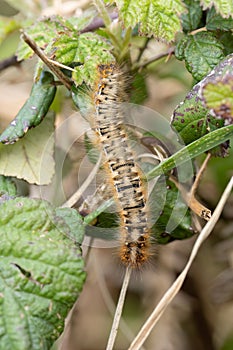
(122, 168)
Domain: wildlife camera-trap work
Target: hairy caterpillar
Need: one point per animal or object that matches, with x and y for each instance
(130, 194)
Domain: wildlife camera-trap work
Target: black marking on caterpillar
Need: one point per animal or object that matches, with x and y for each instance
(124, 171)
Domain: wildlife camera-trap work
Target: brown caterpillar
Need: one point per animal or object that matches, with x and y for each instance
(124, 171)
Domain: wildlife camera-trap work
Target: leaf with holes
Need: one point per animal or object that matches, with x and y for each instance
(192, 120)
(31, 158)
(208, 106)
(42, 32)
(42, 274)
(85, 51)
(217, 90)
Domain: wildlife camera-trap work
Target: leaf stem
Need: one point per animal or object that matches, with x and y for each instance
(75, 197)
(103, 12)
(153, 59)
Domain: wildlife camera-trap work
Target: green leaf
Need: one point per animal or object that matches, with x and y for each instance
(7, 186)
(41, 275)
(172, 210)
(159, 18)
(192, 120)
(220, 97)
(192, 150)
(224, 7)
(214, 21)
(42, 32)
(211, 97)
(81, 22)
(201, 53)
(86, 51)
(226, 39)
(192, 17)
(180, 48)
(81, 98)
(33, 111)
(217, 90)
(31, 158)
(208, 106)
(74, 222)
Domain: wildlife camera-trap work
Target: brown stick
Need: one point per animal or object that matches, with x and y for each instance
(64, 79)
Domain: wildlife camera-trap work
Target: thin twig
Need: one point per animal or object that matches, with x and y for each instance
(169, 52)
(118, 312)
(203, 29)
(190, 198)
(75, 197)
(62, 77)
(199, 175)
(174, 289)
(142, 49)
(8, 62)
(108, 299)
(98, 23)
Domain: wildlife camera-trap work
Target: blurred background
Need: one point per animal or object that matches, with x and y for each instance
(201, 316)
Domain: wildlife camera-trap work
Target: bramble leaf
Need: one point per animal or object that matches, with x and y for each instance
(31, 158)
(42, 32)
(86, 51)
(81, 22)
(217, 90)
(208, 106)
(159, 18)
(215, 21)
(224, 7)
(192, 120)
(226, 39)
(201, 52)
(192, 16)
(33, 111)
(74, 222)
(60, 39)
(41, 274)
(180, 48)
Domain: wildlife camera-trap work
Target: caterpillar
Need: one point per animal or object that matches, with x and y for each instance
(123, 170)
